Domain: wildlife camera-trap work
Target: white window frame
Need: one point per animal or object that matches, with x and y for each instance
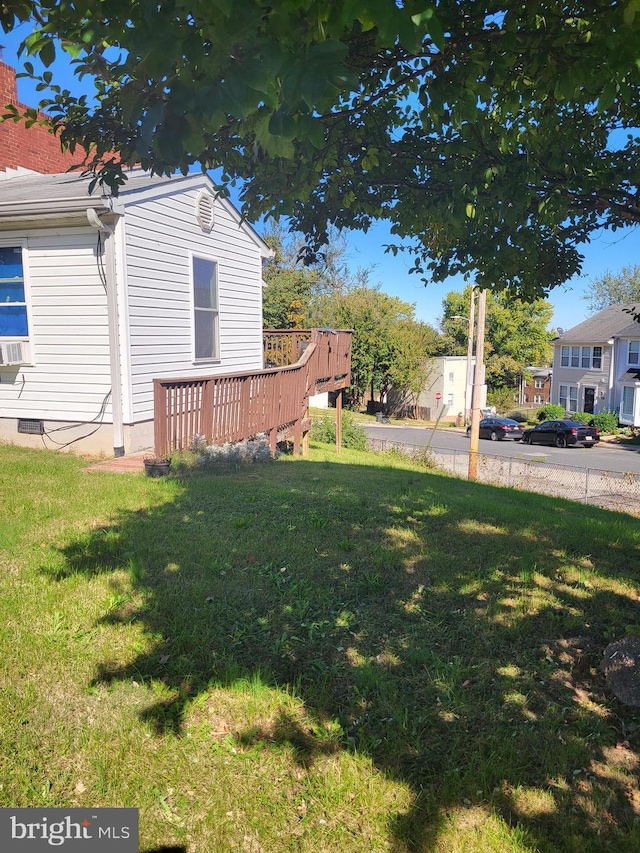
(20, 244)
(635, 352)
(537, 399)
(200, 311)
(596, 358)
(586, 358)
(625, 414)
(538, 383)
(568, 393)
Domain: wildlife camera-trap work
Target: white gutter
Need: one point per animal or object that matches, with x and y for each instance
(123, 316)
(114, 346)
(612, 343)
(109, 239)
(59, 206)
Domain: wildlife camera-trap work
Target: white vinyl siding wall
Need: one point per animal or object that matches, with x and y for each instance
(162, 235)
(68, 330)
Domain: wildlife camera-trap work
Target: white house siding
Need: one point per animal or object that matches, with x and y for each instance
(68, 334)
(581, 378)
(623, 380)
(161, 236)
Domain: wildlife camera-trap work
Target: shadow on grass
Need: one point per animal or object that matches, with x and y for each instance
(452, 629)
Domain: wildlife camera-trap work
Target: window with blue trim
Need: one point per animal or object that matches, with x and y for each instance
(13, 305)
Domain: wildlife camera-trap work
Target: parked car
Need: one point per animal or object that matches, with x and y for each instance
(562, 434)
(498, 428)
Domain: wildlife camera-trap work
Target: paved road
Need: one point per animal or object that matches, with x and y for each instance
(602, 457)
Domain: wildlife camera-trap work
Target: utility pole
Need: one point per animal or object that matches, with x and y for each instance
(467, 389)
(478, 378)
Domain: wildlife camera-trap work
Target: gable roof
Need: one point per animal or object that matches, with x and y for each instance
(611, 322)
(34, 196)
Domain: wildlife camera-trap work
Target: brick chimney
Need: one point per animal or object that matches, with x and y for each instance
(33, 148)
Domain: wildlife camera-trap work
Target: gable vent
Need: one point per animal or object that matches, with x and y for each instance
(204, 211)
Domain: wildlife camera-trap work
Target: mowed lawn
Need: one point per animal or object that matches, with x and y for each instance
(346, 654)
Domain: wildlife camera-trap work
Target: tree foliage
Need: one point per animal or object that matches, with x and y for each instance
(289, 286)
(390, 348)
(614, 288)
(491, 134)
(516, 334)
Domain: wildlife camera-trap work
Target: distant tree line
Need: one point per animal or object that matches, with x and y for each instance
(391, 348)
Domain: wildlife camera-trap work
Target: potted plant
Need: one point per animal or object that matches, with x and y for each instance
(156, 466)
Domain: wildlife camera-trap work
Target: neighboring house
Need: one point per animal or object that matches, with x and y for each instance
(445, 392)
(32, 148)
(535, 386)
(100, 295)
(596, 365)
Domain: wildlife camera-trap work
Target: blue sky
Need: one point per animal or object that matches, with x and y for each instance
(607, 250)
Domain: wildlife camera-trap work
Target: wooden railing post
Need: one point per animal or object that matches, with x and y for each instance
(160, 419)
(206, 420)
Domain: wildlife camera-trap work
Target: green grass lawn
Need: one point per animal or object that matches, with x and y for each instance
(341, 654)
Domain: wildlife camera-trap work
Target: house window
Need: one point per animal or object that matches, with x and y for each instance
(538, 383)
(451, 376)
(537, 398)
(449, 400)
(584, 357)
(13, 304)
(628, 401)
(205, 308)
(634, 352)
(568, 398)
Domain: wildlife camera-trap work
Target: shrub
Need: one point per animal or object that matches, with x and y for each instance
(550, 412)
(519, 416)
(353, 435)
(583, 417)
(502, 398)
(606, 421)
(230, 454)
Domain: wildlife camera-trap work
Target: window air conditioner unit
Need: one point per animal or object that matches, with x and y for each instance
(13, 352)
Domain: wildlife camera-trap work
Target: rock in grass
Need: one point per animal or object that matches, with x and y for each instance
(621, 666)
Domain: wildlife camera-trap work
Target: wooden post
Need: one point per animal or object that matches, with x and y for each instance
(160, 419)
(339, 421)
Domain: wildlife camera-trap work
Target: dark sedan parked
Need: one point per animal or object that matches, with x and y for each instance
(562, 434)
(498, 428)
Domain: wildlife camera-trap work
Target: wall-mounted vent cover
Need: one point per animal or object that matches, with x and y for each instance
(31, 427)
(204, 211)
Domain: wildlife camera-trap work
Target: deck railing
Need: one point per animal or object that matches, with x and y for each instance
(236, 406)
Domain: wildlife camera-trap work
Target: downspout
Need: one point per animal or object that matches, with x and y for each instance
(114, 338)
(612, 343)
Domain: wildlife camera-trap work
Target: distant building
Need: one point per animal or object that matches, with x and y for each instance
(535, 386)
(596, 365)
(445, 393)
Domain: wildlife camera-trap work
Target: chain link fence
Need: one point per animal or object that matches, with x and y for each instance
(614, 490)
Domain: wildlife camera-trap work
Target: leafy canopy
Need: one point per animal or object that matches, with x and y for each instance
(614, 288)
(495, 136)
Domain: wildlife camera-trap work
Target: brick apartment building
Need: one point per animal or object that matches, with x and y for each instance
(535, 390)
(34, 148)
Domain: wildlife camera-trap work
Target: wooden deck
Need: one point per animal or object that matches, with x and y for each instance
(273, 401)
